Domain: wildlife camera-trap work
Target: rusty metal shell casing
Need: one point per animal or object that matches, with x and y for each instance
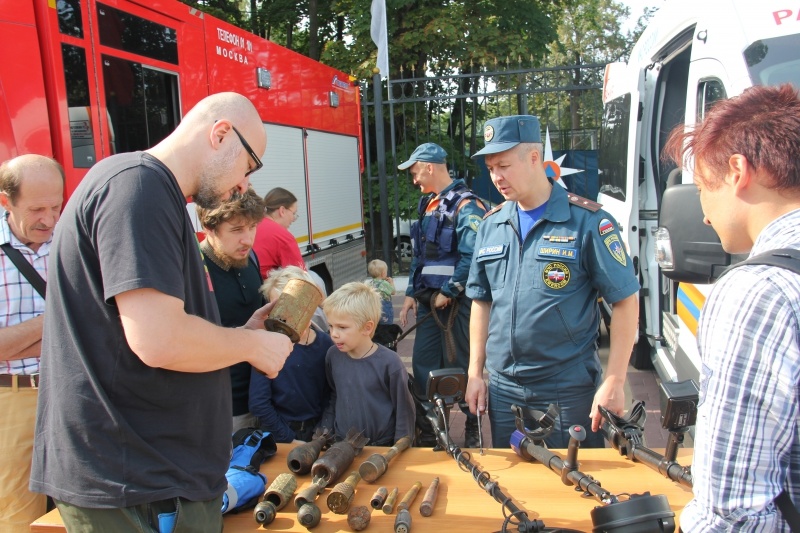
(377, 463)
(281, 490)
(309, 515)
(379, 497)
(341, 496)
(402, 524)
(388, 505)
(426, 507)
(294, 308)
(303, 456)
(338, 458)
(408, 499)
(358, 518)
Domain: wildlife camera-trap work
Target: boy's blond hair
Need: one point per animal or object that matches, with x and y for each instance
(279, 277)
(377, 268)
(355, 300)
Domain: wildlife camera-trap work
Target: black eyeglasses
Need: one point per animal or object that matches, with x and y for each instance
(249, 150)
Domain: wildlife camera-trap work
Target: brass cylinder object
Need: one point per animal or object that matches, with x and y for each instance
(341, 496)
(358, 518)
(309, 515)
(377, 463)
(408, 499)
(379, 497)
(388, 505)
(281, 490)
(426, 507)
(294, 308)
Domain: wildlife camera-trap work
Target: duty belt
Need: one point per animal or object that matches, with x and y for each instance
(19, 380)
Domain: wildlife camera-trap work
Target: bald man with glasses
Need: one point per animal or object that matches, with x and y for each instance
(135, 391)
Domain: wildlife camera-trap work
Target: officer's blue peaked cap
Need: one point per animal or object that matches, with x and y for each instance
(427, 153)
(504, 133)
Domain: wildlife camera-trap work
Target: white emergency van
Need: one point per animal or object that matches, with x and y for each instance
(692, 54)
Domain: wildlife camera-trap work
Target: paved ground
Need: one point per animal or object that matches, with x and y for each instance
(641, 385)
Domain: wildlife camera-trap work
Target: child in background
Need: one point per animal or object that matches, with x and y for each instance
(291, 404)
(369, 381)
(381, 282)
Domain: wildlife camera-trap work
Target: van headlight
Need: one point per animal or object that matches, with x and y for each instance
(664, 255)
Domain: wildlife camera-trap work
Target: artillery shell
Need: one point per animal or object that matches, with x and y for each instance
(426, 507)
(408, 499)
(388, 505)
(379, 497)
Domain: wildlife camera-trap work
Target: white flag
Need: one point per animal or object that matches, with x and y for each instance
(379, 35)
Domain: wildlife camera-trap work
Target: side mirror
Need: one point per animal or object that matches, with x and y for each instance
(687, 250)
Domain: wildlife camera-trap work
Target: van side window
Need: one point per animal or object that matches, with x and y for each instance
(708, 92)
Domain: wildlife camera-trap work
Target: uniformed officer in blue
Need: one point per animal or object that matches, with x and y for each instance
(443, 240)
(541, 260)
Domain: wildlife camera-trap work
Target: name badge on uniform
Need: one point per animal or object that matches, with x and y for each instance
(559, 252)
(490, 251)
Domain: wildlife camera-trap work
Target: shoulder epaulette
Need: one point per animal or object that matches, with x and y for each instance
(493, 210)
(585, 203)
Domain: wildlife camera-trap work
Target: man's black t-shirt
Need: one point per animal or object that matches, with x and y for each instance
(112, 431)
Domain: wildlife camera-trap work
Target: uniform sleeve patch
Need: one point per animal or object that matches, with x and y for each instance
(615, 248)
(556, 275)
(606, 226)
(489, 251)
(474, 222)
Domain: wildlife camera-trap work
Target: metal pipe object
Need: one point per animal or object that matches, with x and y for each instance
(388, 505)
(338, 457)
(408, 499)
(303, 456)
(426, 507)
(341, 496)
(377, 463)
(281, 490)
(294, 308)
(402, 524)
(358, 518)
(379, 497)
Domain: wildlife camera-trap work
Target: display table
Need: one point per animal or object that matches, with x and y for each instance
(462, 505)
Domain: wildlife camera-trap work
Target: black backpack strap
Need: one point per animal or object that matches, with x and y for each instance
(25, 268)
(788, 510)
(787, 258)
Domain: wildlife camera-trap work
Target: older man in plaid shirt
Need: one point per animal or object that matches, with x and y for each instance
(31, 192)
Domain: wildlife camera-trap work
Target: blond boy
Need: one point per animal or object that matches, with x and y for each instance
(380, 281)
(369, 382)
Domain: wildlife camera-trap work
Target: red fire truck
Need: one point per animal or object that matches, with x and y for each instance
(83, 79)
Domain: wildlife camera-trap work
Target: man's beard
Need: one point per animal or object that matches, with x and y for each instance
(228, 261)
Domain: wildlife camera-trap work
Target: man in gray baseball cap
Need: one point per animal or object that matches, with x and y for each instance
(541, 260)
(426, 153)
(443, 237)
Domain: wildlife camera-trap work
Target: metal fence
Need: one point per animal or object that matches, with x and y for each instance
(450, 111)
